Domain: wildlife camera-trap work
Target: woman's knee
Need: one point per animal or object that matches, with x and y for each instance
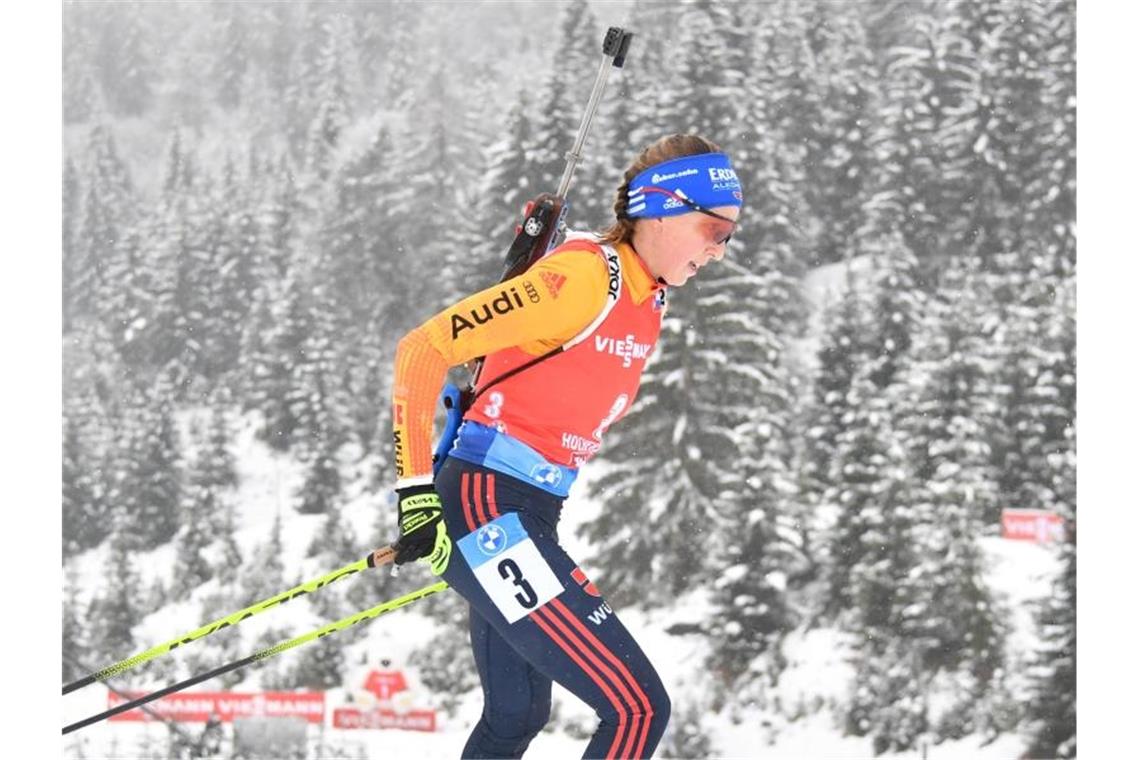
(650, 702)
(520, 724)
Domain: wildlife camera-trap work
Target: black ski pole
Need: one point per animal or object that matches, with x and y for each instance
(263, 654)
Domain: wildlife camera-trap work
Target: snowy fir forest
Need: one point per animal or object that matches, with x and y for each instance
(259, 199)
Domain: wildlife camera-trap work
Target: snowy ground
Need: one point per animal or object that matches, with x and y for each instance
(1020, 572)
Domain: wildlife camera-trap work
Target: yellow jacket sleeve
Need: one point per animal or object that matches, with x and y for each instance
(537, 311)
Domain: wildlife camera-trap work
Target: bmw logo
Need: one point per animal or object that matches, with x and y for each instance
(491, 539)
(547, 474)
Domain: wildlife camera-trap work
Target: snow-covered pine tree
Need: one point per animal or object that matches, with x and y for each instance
(108, 211)
(146, 326)
(371, 32)
(497, 202)
(889, 700)
(772, 238)
(231, 27)
(262, 377)
(85, 509)
(117, 607)
(264, 575)
(209, 507)
(896, 304)
(919, 144)
(890, 23)
(687, 736)
(1054, 190)
(190, 567)
(237, 260)
(957, 623)
(784, 123)
(147, 468)
(194, 244)
(711, 70)
(125, 61)
(72, 209)
(74, 633)
(275, 394)
(322, 487)
(366, 381)
(952, 372)
(1052, 710)
(216, 465)
(80, 89)
(424, 204)
(278, 220)
(871, 548)
(842, 88)
(1036, 382)
(271, 30)
(399, 70)
(303, 33)
(842, 354)
(229, 562)
(752, 612)
(320, 401)
(333, 109)
(133, 303)
(206, 294)
(358, 232)
(1020, 139)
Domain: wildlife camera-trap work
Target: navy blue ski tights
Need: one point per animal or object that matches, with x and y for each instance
(573, 637)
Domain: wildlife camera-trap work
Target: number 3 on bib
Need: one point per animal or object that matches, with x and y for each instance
(509, 567)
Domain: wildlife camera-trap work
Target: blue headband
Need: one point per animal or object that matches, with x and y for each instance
(706, 179)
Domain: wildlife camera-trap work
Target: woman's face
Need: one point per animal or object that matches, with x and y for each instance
(675, 247)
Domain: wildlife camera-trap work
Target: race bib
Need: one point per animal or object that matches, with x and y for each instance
(509, 567)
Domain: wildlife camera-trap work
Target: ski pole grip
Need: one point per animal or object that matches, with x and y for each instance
(382, 556)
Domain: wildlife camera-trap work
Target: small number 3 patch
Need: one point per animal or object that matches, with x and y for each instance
(510, 567)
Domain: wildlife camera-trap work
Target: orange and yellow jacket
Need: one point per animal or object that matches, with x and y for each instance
(561, 406)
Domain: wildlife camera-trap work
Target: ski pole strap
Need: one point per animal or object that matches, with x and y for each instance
(263, 654)
(375, 559)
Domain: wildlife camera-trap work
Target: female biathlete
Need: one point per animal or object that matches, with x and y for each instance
(488, 521)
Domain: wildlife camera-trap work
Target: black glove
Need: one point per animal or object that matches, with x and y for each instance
(422, 532)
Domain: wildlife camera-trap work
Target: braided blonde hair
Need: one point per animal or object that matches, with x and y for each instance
(665, 149)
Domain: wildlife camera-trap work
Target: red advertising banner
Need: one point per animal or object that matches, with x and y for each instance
(413, 720)
(385, 683)
(197, 707)
(1038, 525)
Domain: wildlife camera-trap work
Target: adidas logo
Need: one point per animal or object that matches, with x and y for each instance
(553, 282)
